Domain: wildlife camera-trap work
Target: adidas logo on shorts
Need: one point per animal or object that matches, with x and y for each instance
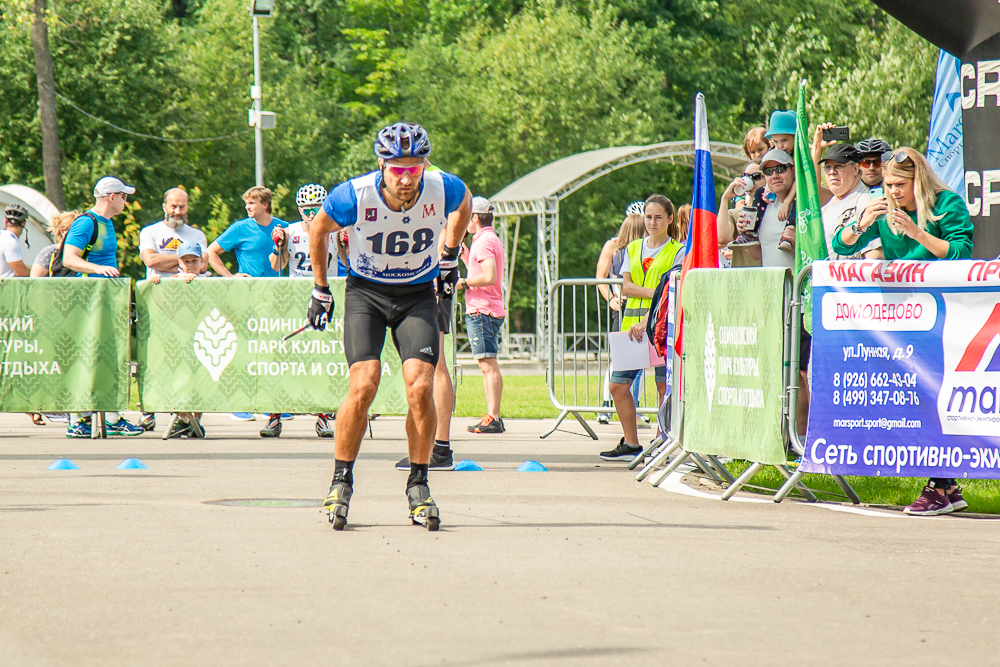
(427, 350)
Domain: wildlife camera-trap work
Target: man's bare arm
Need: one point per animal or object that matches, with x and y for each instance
(158, 260)
(458, 222)
(319, 245)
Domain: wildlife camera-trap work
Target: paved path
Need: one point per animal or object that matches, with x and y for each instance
(577, 566)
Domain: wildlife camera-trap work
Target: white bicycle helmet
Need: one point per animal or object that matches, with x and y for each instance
(310, 195)
(635, 208)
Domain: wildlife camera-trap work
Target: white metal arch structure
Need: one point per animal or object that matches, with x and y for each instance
(540, 192)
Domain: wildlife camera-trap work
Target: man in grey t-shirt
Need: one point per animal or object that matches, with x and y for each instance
(779, 172)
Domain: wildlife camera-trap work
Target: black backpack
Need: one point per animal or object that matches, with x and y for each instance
(56, 267)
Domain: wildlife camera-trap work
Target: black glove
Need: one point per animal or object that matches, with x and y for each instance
(448, 272)
(320, 307)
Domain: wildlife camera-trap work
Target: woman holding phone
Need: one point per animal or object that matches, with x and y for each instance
(919, 219)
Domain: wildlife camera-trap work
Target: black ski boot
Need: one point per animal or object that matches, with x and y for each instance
(337, 503)
(423, 510)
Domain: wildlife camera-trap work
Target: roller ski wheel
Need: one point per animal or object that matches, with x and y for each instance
(423, 510)
(337, 503)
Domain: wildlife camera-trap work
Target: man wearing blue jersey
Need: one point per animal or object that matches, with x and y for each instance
(394, 218)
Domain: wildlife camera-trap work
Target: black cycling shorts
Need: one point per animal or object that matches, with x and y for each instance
(409, 311)
(445, 306)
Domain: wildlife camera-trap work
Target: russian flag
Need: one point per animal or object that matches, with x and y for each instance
(703, 235)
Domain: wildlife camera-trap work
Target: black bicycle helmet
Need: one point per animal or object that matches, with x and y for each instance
(873, 146)
(401, 140)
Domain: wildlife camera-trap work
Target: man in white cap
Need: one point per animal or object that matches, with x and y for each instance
(158, 243)
(91, 245)
(91, 249)
(484, 308)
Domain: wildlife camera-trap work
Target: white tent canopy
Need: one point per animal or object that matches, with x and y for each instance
(40, 214)
(540, 192)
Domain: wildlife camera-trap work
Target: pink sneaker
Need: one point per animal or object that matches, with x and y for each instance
(930, 503)
(957, 501)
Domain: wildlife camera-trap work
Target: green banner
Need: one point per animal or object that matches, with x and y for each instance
(215, 345)
(64, 344)
(733, 363)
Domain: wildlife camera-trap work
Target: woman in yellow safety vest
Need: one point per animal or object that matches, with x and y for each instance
(646, 260)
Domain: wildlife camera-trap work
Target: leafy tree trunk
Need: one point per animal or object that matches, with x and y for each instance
(47, 106)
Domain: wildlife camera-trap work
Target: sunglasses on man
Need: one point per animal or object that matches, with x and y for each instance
(871, 163)
(776, 169)
(310, 211)
(398, 172)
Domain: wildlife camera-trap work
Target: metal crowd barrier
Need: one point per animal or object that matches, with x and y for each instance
(578, 351)
(659, 452)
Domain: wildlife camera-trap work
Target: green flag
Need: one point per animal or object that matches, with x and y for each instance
(810, 242)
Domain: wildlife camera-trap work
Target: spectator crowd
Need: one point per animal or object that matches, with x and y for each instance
(878, 202)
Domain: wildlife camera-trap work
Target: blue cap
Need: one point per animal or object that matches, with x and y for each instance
(189, 248)
(782, 122)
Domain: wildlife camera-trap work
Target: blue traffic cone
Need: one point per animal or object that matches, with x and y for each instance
(467, 464)
(63, 464)
(532, 466)
(131, 464)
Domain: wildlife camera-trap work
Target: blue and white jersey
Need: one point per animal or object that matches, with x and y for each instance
(394, 247)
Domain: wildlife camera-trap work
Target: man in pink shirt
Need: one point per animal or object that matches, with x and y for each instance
(484, 308)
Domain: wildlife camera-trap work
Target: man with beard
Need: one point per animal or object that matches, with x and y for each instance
(405, 225)
(158, 243)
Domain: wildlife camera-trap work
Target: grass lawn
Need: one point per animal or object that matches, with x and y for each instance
(983, 495)
(527, 397)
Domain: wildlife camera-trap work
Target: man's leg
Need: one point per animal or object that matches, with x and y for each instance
(492, 385)
(444, 398)
(352, 418)
(420, 419)
(416, 336)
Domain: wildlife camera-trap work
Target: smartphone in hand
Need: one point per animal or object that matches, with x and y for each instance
(837, 133)
(878, 193)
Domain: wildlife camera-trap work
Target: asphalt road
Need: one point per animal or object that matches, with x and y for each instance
(580, 565)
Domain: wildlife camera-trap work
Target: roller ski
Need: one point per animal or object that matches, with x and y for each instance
(337, 504)
(423, 510)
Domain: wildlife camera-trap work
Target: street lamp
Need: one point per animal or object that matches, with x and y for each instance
(258, 119)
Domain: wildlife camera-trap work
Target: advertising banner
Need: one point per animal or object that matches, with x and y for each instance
(906, 369)
(215, 345)
(733, 363)
(64, 344)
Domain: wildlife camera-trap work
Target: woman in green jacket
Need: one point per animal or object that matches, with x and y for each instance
(920, 219)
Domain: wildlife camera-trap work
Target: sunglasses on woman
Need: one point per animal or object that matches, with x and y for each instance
(776, 169)
(756, 176)
(899, 156)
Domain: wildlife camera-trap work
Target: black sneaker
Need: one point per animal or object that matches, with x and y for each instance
(323, 427)
(180, 429)
(440, 460)
(273, 428)
(148, 421)
(622, 452)
(487, 425)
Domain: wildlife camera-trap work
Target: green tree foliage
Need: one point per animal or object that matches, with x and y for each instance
(504, 87)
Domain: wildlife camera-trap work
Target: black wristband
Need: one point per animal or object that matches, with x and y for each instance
(450, 253)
